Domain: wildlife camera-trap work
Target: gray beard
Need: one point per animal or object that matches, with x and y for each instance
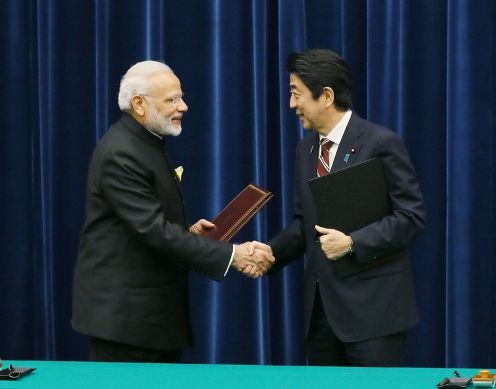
(161, 125)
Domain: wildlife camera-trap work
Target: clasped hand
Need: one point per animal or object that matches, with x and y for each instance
(253, 259)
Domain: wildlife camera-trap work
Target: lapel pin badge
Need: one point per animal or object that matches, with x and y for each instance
(346, 157)
(179, 172)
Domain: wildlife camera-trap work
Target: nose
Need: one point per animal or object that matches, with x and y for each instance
(181, 106)
(292, 102)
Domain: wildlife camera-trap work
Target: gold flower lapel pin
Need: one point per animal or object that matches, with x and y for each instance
(179, 172)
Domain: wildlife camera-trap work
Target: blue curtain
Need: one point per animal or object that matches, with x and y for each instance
(426, 69)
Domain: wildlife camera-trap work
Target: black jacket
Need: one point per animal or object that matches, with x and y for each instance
(379, 301)
(130, 282)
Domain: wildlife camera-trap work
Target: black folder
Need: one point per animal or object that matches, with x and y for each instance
(349, 199)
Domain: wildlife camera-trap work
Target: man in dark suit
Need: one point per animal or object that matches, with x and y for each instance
(360, 319)
(130, 282)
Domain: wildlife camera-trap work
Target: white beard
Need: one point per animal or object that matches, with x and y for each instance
(161, 125)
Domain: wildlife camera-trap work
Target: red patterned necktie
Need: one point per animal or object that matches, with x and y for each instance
(323, 167)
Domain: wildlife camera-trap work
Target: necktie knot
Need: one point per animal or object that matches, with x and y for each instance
(325, 143)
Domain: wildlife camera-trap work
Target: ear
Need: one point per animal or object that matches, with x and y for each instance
(328, 96)
(138, 105)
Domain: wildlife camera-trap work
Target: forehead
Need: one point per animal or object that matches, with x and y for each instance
(164, 83)
(295, 83)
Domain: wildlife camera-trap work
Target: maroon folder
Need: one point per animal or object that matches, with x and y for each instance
(238, 212)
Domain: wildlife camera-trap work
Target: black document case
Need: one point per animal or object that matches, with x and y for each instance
(349, 199)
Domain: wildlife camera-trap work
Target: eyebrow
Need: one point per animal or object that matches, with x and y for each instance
(169, 97)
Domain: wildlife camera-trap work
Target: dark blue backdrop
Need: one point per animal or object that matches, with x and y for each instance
(425, 68)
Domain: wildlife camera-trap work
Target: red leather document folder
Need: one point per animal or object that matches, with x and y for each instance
(238, 212)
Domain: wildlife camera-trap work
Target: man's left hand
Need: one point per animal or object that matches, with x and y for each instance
(334, 243)
(201, 226)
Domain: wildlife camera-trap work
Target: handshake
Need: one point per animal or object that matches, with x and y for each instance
(253, 259)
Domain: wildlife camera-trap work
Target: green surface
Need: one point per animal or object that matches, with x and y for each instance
(70, 375)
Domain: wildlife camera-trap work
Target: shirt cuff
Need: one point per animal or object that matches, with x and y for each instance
(230, 261)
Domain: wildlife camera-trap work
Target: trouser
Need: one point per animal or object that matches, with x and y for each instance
(325, 349)
(107, 351)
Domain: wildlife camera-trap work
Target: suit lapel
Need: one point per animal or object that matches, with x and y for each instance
(350, 145)
(313, 156)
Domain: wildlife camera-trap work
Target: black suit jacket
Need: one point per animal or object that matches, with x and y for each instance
(379, 301)
(130, 282)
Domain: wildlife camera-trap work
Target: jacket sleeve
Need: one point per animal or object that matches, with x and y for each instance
(126, 187)
(397, 231)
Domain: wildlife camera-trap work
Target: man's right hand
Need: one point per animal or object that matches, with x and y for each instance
(254, 255)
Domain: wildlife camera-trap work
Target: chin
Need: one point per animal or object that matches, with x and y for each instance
(175, 130)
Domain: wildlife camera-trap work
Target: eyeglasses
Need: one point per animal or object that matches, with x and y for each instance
(174, 100)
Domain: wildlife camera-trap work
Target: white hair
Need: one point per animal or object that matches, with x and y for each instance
(135, 81)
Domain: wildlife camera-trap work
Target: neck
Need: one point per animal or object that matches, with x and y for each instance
(141, 120)
(333, 119)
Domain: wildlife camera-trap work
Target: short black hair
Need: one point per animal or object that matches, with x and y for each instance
(320, 68)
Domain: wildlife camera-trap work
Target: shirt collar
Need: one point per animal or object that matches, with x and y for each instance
(336, 134)
(151, 132)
